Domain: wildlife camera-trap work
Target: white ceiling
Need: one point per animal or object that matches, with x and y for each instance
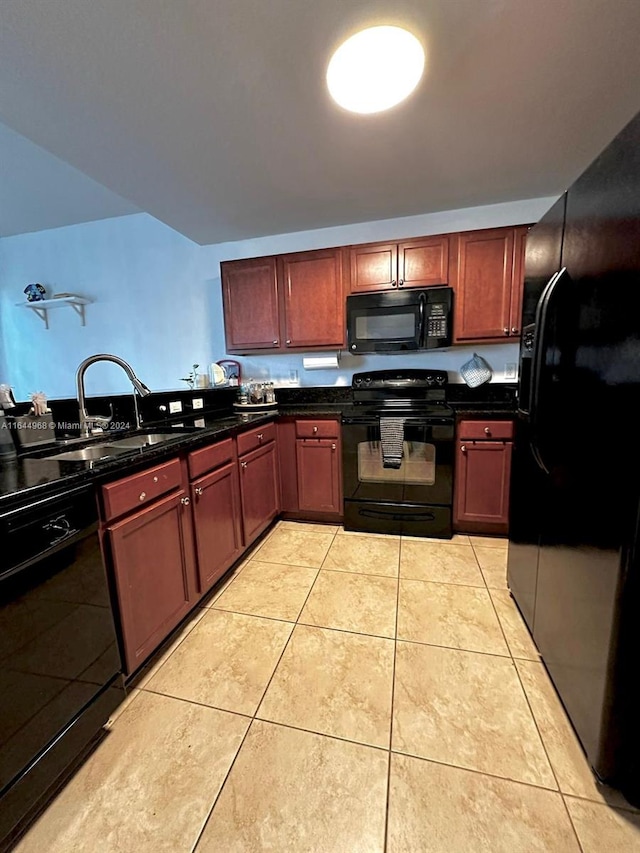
(213, 116)
(38, 190)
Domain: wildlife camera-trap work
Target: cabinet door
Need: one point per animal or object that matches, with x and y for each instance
(151, 561)
(423, 263)
(517, 283)
(314, 300)
(483, 287)
(483, 471)
(216, 517)
(250, 297)
(258, 490)
(318, 475)
(373, 267)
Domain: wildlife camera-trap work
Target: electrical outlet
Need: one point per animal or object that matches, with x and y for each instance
(293, 377)
(198, 403)
(175, 407)
(510, 370)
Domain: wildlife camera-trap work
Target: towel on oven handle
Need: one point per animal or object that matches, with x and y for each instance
(392, 439)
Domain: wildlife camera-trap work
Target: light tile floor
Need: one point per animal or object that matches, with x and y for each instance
(348, 693)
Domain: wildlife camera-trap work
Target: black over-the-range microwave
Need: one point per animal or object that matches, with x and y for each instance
(400, 321)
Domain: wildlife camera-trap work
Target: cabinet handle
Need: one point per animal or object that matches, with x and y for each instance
(155, 479)
(463, 448)
(288, 342)
(142, 496)
(506, 330)
(393, 283)
(198, 490)
(243, 464)
(401, 283)
(260, 436)
(315, 429)
(514, 330)
(333, 447)
(487, 431)
(275, 343)
(185, 501)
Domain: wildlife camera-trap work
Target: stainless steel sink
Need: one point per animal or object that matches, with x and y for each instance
(136, 441)
(92, 452)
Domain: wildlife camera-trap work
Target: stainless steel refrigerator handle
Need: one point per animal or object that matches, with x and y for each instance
(539, 349)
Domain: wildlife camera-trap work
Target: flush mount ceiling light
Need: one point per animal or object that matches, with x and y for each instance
(375, 69)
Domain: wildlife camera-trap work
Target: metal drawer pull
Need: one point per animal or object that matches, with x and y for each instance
(487, 431)
(198, 490)
(275, 343)
(315, 429)
(506, 330)
(401, 283)
(260, 436)
(333, 447)
(155, 479)
(393, 283)
(185, 501)
(514, 330)
(243, 464)
(142, 496)
(463, 448)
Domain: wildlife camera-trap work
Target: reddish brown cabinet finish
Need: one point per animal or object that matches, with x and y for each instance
(217, 523)
(152, 559)
(488, 286)
(319, 478)
(259, 490)
(288, 466)
(483, 472)
(313, 295)
(251, 305)
(414, 263)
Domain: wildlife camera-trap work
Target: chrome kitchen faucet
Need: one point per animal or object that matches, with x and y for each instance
(92, 423)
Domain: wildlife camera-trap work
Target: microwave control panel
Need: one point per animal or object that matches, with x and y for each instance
(437, 320)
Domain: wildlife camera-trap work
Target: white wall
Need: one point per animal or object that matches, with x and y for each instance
(157, 300)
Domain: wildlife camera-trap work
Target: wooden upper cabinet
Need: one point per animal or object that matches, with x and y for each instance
(373, 266)
(250, 297)
(314, 300)
(424, 263)
(488, 284)
(387, 266)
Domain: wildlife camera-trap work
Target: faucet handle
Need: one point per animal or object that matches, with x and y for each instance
(100, 422)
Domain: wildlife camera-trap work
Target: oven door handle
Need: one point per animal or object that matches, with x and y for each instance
(421, 325)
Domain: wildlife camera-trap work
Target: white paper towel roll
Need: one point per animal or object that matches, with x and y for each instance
(321, 362)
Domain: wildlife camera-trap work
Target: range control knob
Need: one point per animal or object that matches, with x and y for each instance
(357, 380)
(367, 380)
(430, 380)
(440, 380)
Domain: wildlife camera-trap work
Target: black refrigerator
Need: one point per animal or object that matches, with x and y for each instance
(573, 564)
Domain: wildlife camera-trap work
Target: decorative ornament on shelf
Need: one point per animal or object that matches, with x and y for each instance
(191, 378)
(35, 292)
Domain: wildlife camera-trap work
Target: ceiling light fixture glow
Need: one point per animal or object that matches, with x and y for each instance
(375, 69)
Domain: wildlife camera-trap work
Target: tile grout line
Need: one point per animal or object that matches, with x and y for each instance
(393, 689)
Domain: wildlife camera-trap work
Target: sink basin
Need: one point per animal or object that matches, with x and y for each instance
(92, 452)
(136, 441)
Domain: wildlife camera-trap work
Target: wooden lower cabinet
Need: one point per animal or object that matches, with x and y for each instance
(483, 471)
(259, 490)
(217, 523)
(318, 474)
(152, 559)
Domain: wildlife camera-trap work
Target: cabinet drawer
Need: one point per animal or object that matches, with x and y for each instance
(140, 489)
(208, 458)
(469, 430)
(317, 429)
(257, 437)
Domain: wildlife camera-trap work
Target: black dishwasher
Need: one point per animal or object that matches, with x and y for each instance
(59, 659)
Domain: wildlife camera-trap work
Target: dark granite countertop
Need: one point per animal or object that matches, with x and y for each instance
(32, 476)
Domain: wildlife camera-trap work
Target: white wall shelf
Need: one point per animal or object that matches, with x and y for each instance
(42, 306)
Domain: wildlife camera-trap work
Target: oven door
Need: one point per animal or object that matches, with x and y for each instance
(424, 476)
(385, 322)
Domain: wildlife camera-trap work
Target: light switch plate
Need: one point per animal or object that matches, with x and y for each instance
(175, 407)
(198, 403)
(510, 370)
